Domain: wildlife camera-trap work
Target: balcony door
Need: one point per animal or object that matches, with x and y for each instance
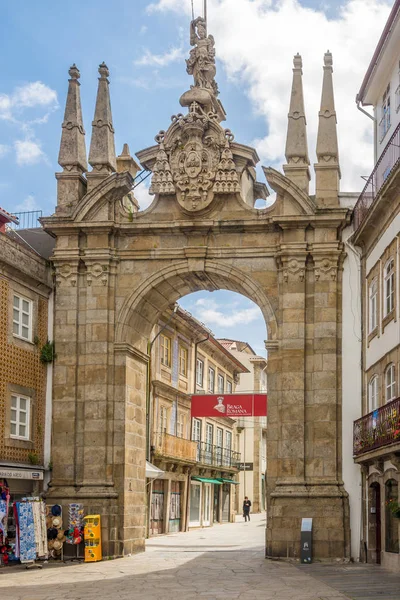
(209, 443)
(196, 435)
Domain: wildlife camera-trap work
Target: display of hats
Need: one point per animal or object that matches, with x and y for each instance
(49, 521)
(57, 544)
(52, 533)
(57, 522)
(47, 511)
(50, 544)
(56, 510)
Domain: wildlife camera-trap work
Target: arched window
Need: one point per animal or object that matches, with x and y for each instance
(391, 522)
(373, 305)
(373, 399)
(390, 383)
(389, 287)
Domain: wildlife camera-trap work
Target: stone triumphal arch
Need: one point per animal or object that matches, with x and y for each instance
(117, 269)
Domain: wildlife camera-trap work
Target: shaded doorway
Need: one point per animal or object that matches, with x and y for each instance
(391, 521)
(157, 508)
(195, 504)
(175, 508)
(216, 516)
(226, 502)
(375, 529)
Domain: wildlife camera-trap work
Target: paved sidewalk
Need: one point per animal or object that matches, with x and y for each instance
(223, 562)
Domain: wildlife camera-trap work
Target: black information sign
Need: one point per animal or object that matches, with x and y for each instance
(245, 466)
(306, 541)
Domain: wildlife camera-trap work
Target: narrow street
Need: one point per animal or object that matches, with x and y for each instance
(225, 561)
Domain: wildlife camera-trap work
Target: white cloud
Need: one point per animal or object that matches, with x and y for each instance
(28, 204)
(143, 29)
(34, 94)
(4, 150)
(160, 60)
(256, 41)
(28, 152)
(142, 195)
(210, 312)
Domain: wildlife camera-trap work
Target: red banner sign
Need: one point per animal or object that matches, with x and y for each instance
(229, 405)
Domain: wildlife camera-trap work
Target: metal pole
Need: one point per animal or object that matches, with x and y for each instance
(205, 13)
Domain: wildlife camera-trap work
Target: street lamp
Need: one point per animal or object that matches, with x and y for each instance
(148, 384)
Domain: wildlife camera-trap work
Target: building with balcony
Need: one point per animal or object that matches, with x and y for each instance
(253, 430)
(376, 442)
(199, 457)
(26, 301)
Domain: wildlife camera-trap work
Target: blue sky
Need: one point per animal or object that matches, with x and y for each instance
(144, 44)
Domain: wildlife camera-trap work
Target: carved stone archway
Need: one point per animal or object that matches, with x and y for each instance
(118, 269)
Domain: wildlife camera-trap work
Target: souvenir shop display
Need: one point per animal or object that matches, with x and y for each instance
(74, 533)
(92, 532)
(26, 539)
(55, 531)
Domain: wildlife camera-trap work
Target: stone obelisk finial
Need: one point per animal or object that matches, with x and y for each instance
(102, 148)
(327, 170)
(71, 185)
(297, 167)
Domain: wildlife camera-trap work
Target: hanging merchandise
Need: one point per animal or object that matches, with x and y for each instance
(30, 535)
(55, 531)
(75, 529)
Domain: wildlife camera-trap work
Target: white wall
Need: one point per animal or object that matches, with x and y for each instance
(351, 386)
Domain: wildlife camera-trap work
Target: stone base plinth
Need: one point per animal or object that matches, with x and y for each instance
(326, 504)
(117, 539)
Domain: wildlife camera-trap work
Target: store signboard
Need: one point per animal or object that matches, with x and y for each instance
(8, 473)
(229, 405)
(246, 466)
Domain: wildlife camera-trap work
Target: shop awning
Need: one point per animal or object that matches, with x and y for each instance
(222, 480)
(153, 472)
(207, 480)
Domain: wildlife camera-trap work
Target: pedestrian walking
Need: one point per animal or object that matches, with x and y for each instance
(246, 509)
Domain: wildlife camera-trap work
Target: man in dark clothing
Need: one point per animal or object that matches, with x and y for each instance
(246, 509)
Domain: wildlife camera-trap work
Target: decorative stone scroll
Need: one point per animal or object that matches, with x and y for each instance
(325, 268)
(66, 274)
(195, 160)
(292, 268)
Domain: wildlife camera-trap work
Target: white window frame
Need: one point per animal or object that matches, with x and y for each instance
(228, 444)
(180, 425)
(196, 430)
(17, 323)
(211, 379)
(221, 388)
(165, 350)
(17, 421)
(373, 393)
(199, 372)
(163, 419)
(373, 305)
(390, 382)
(229, 386)
(209, 428)
(389, 287)
(183, 361)
(385, 122)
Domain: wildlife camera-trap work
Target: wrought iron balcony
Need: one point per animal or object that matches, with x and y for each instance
(387, 162)
(215, 456)
(171, 446)
(378, 429)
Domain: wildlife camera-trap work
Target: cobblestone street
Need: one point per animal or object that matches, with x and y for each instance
(222, 562)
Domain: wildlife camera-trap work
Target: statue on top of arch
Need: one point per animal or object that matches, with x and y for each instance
(201, 62)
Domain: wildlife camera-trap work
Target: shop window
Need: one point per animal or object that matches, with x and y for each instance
(183, 361)
(20, 417)
(211, 380)
(390, 383)
(22, 318)
(391, 521)
(229, 387)
(385, 122)
(389, 287)
(199, 372)
(373, 305)
(373, 397)
(221, 384)
(165, 350)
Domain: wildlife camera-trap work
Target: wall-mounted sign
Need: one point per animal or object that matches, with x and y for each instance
(229, 405)
(246, 466)
(8, 473)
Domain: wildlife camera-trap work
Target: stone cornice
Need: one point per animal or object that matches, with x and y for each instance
(129, 350)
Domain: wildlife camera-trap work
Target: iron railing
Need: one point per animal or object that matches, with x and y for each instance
(215, 456)
(377, 429)
(383, 168)
(27, 220)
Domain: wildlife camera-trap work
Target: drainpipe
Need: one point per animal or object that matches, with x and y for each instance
(49, 397)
